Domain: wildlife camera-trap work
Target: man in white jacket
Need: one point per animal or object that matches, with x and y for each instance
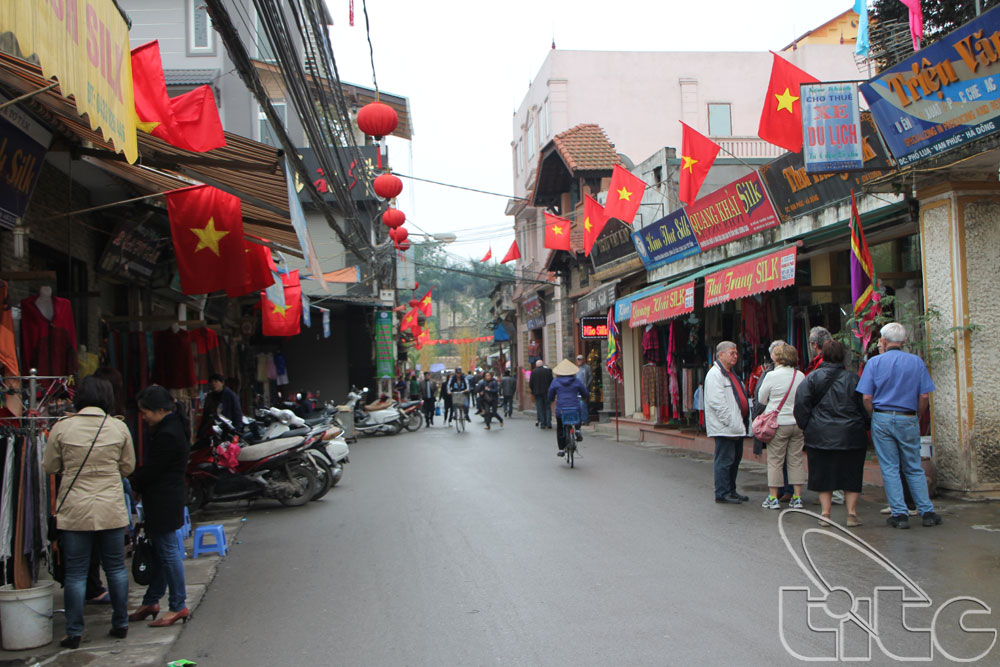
(726, 410)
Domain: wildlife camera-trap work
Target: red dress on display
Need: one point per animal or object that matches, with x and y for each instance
(48, 346)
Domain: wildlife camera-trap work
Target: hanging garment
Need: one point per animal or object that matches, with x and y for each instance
(281, 368)
(208, 359)
(48, 346)
(7, 502)
(174, 368)
(651, 345)
(272, 368)
(8, 348)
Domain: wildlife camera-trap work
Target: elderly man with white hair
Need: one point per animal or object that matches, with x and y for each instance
(727, 407)
(896, 387)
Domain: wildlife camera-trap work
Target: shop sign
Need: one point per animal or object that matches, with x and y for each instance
(533, 313)
(732, 212)
(598, 301)
(941, 97)
(763, 274)
(669, 303)
(85, 46)
(383, 343)
(360, 191)
(594, 327)
(132, 253)
(795, 191)
(23, 144)
(667, 240)
(831, 127)
(613, 245)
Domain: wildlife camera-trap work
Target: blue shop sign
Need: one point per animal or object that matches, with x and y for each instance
(23, 145)
(667, 240)
(941, 97)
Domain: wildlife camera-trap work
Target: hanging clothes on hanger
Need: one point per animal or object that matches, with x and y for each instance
(48, 345)
(8, 347)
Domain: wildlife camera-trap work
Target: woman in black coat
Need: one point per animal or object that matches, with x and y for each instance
(160, 482)
(832, 416)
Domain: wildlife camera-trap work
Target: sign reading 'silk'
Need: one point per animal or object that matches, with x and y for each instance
(943, 96)
(732, 212)
(763, 274)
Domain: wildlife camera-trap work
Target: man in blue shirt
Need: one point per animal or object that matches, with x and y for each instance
(896, 390)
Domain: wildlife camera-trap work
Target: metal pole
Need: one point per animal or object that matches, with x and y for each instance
(617, 409)
(978, 8)
(42, 90)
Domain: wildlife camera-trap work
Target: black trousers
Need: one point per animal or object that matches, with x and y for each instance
(489, 407)
(428, 409)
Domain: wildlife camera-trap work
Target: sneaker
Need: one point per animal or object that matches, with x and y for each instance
(578, 436)
(838, 497)
(900, 521)
(885, 510)
(486, 428)
(561, 452)
(796, 503)
(931, 519)
(770, 503)
(853, 521)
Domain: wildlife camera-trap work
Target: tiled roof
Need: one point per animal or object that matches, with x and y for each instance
(189, 77)
(586, 148)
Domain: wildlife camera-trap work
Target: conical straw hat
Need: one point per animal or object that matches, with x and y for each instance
(565, 367)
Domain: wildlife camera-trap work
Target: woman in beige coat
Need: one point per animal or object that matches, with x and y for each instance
(92, 451)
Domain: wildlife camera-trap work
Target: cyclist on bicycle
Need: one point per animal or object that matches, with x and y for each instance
(457, 383)
(567, 391)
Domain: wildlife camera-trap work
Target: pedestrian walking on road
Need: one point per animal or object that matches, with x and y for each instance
(447, 412)
(568, 392)
(896, 391)
(428, 390)
(489, 399)
(585, 374)
(778, 388)
(92, 451)
(832, 417)
(539, 382)
(508, 387)
(726, 409)
(413, 386)
(160, 482)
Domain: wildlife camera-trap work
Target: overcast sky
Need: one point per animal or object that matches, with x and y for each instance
(466, 65)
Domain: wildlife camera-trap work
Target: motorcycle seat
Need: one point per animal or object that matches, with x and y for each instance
(375, 407)
(410, 404)
(313, 421)
(268, 448)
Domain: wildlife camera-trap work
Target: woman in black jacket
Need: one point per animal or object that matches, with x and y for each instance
(830, 412)
(160, 481)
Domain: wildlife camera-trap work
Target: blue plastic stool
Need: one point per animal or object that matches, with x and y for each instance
(187, 523)
(180, 542)
(218, 532)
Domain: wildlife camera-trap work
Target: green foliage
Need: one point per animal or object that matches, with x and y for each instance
(940, 16)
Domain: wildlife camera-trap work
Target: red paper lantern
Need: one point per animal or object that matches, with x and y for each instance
(377, 120)
(392, 234)
(388, 186)
(403, 245)
(401, 235)
(414, 303)
(393, 218)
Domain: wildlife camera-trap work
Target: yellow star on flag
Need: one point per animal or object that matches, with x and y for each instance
(281, 310)
(427, 299)
(556, 229)
(586, 224)
(145, 126)
(624, 194)
(209, 237)
(786, 100)
(689, 162)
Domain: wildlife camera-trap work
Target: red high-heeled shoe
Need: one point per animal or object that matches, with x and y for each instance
(145, 610)
(183, 615)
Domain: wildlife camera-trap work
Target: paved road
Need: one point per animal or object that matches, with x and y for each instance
(486, 549)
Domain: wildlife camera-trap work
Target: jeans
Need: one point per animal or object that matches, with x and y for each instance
(77, 546)
(728, 454)
(544, 411)
(897, 443)
(508, 405)
(168, 571)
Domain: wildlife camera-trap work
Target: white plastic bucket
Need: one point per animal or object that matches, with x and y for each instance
(26, 616)
(926, 446)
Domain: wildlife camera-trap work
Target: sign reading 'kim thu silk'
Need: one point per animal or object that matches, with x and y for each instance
(736, 210)
(763, 274)
(663, 305)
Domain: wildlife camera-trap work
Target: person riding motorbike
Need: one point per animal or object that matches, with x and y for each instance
(459, 383)
(567, 391)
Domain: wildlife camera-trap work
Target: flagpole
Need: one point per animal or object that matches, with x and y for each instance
(617, 410)
(740, 160)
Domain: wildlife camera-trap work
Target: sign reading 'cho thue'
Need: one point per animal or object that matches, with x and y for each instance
(732, 212)
(763, 274)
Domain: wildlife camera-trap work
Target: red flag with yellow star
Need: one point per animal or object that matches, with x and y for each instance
(411, 321)
(781, 118)
(624, 195)
(698, 152)
(556, 232)
(425, 303)
(594, 220)
(512, 253)
(206, 225)
(283, 320)
(489, 253)
(258, 275)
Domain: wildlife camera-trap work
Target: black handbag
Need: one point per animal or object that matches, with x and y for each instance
(57, 564)
(142, 559)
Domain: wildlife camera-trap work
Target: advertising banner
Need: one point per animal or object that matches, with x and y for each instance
(831, 127)
(594, 327)
(732, 212)
(357, 187)
(384, 343)
(664, 305)
(796, 192)
(23, 144)
(941, 97)
(133, 253)
(614, 245)
(763, 274)
(668, 239)
(597, 301)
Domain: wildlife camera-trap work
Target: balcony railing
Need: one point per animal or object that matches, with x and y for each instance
(747, 147)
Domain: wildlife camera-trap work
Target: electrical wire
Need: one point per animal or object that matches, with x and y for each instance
(459, 187)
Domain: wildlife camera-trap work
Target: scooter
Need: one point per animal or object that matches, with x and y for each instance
(376, 418)
(414, 416)
(276, 468)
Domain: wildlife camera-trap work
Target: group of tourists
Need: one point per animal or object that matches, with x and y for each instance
(823, 416)
(488, 394)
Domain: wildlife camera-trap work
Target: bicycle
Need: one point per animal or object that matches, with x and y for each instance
(459, 410)
(571, 422)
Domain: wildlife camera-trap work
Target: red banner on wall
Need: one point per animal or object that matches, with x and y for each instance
(732, 212)
(763, 274)
(664, 305)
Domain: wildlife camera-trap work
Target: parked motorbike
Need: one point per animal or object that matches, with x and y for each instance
(378, 418)
(277, 468)
(414, 416)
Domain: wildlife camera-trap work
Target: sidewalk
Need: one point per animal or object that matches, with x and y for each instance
(144, 645)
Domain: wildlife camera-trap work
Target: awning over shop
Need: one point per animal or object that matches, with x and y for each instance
(671, 301)
(623, 306)
(763, 272)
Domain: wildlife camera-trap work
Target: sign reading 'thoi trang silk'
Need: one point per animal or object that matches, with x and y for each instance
(736, 210)
(762, 274)
(943, 96)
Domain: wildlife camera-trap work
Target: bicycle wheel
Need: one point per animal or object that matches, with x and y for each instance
(570, 450)
(460, 423)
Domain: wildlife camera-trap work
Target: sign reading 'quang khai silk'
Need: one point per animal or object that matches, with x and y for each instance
(763, 274)
(732, 212)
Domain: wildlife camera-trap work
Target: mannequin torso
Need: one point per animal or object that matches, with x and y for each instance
(44, 303)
